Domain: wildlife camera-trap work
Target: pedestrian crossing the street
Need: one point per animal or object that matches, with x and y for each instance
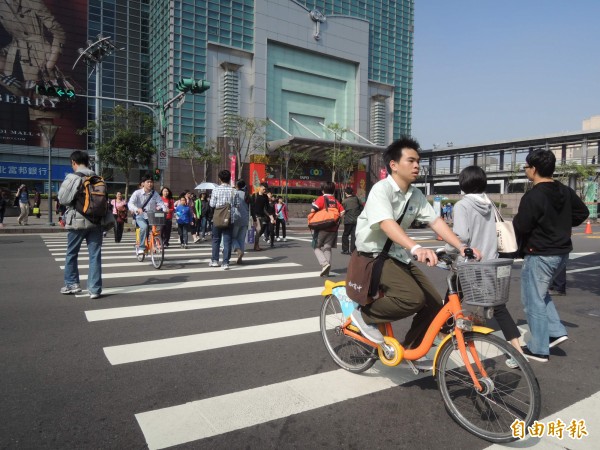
(271, 278)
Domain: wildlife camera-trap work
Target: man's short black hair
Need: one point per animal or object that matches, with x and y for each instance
(146, 177)
(543, 160)
(472, 180)
(80, 157)
(240, 184)
(265, 185)
(394, 150)
(328, 187)
(349, 190)
(225, 176)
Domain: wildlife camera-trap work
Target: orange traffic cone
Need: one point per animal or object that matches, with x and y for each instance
(588, 227)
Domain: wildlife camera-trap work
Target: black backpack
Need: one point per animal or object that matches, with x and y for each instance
(91, 200)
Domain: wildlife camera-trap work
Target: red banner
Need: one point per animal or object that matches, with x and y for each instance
(308, 184)
(232, 166)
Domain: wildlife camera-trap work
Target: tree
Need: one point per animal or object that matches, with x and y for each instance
(296, 160)
(125, 139)
(341, 160)
(197, 153)
(578, 173)
(247, 135)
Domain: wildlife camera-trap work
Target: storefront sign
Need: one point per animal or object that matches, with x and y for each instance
(31, 171)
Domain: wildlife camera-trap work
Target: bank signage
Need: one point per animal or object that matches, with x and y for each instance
(31, 171)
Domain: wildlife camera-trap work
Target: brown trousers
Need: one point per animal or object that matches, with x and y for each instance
(406, 291)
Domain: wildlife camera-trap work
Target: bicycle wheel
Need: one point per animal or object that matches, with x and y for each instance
(508, 394)
(158, 252)
(140, 256)
(348, 353)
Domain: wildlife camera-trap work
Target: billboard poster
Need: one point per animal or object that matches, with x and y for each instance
(257, 176)
(38, 44)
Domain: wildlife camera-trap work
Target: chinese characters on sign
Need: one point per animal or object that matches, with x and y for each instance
(576, 429)
(32, 171)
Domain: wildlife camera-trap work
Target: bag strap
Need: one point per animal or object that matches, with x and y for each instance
(388, 243)
(497, 214)
(148, 200)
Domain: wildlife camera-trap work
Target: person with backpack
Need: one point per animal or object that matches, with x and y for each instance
(82, 224)
(325, 240)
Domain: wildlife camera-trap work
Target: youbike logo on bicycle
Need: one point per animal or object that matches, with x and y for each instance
(555, 428)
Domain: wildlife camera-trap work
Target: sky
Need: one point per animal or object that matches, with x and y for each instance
(496, 70)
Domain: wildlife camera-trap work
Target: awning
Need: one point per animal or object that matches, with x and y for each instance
(318, 147)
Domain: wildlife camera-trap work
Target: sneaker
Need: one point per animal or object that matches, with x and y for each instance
(213, 264)
(140, 251)
(325, 270)
(278, 239)
(70, 289)
(512, 363)
(554, 293)
(94, 296)
(554, 341)
(196, 239)
(371, 332)
(535, 356)
(225, 266)
(284, 240)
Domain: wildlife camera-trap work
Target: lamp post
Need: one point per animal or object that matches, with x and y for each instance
(49, 131)
(93, 56)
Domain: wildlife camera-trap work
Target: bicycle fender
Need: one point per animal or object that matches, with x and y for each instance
(476, 329)
(330, 285)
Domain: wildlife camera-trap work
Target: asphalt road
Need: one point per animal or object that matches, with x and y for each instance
(194, 357)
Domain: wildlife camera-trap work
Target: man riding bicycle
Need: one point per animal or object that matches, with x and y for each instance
(142, 200)
(406, 290)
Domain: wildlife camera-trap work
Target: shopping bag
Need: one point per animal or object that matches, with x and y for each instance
(251, 234)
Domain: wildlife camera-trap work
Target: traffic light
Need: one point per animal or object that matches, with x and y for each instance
(156, 174)
(193, 86)
(50, 89)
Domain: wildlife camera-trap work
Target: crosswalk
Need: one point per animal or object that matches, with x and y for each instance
(265, 279)
(268, 281)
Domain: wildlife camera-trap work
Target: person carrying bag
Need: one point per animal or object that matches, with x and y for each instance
(364, 272)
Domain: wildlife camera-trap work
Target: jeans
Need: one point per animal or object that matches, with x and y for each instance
(536, 276)
(217, 234)
(238, 236)
(93, 238)
(183, 230)
(143, 226)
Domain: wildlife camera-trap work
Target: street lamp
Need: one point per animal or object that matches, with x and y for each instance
(49, 131)
(93, 56)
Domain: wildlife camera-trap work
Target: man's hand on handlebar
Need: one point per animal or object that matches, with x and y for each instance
(476, 253)
(425, 255)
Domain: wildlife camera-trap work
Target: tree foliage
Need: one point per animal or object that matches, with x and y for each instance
(125, 139)
(579, 173)
(248, 137)
(340, 159)
(197, 153)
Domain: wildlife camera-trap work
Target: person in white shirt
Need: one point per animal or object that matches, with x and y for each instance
(142, 200)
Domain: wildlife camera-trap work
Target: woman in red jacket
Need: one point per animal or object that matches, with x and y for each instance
(167, 198)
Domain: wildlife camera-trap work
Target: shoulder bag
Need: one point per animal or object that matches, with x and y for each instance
(364, 271)
(222, 215)
(505, 233)
(324, 218)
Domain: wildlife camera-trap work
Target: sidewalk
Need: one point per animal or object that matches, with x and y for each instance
(39, 226)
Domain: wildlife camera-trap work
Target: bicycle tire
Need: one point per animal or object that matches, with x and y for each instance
(511, 394)
(158, 252)
(346, 352)
(140, 256)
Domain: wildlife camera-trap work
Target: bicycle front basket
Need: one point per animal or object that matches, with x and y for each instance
(485, 283)
(156, 218)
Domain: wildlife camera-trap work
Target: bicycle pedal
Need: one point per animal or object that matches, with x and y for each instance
(353, 328)
(412, 367)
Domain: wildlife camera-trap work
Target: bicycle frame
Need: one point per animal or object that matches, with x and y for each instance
(452, 308)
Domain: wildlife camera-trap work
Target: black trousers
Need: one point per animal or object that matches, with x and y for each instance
(282, 223)
(349, 238)
(118, 229)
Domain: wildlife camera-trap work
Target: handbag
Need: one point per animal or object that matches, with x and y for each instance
(505, 233)
(36, 211)
(364, 271)
(222, 215)
(324, 218)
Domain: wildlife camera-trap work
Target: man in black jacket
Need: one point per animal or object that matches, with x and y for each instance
(543, 229)
(260, 214)
(353, 208)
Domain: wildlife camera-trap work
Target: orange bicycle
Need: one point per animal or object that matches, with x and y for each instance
(154, 243)
(479, 390)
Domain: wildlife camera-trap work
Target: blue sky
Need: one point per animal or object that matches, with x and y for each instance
(494, 70)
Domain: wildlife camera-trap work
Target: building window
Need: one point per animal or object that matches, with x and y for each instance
(230, 97)
(378, 120)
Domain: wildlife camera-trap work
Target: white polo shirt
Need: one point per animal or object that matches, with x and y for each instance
(386, 201)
